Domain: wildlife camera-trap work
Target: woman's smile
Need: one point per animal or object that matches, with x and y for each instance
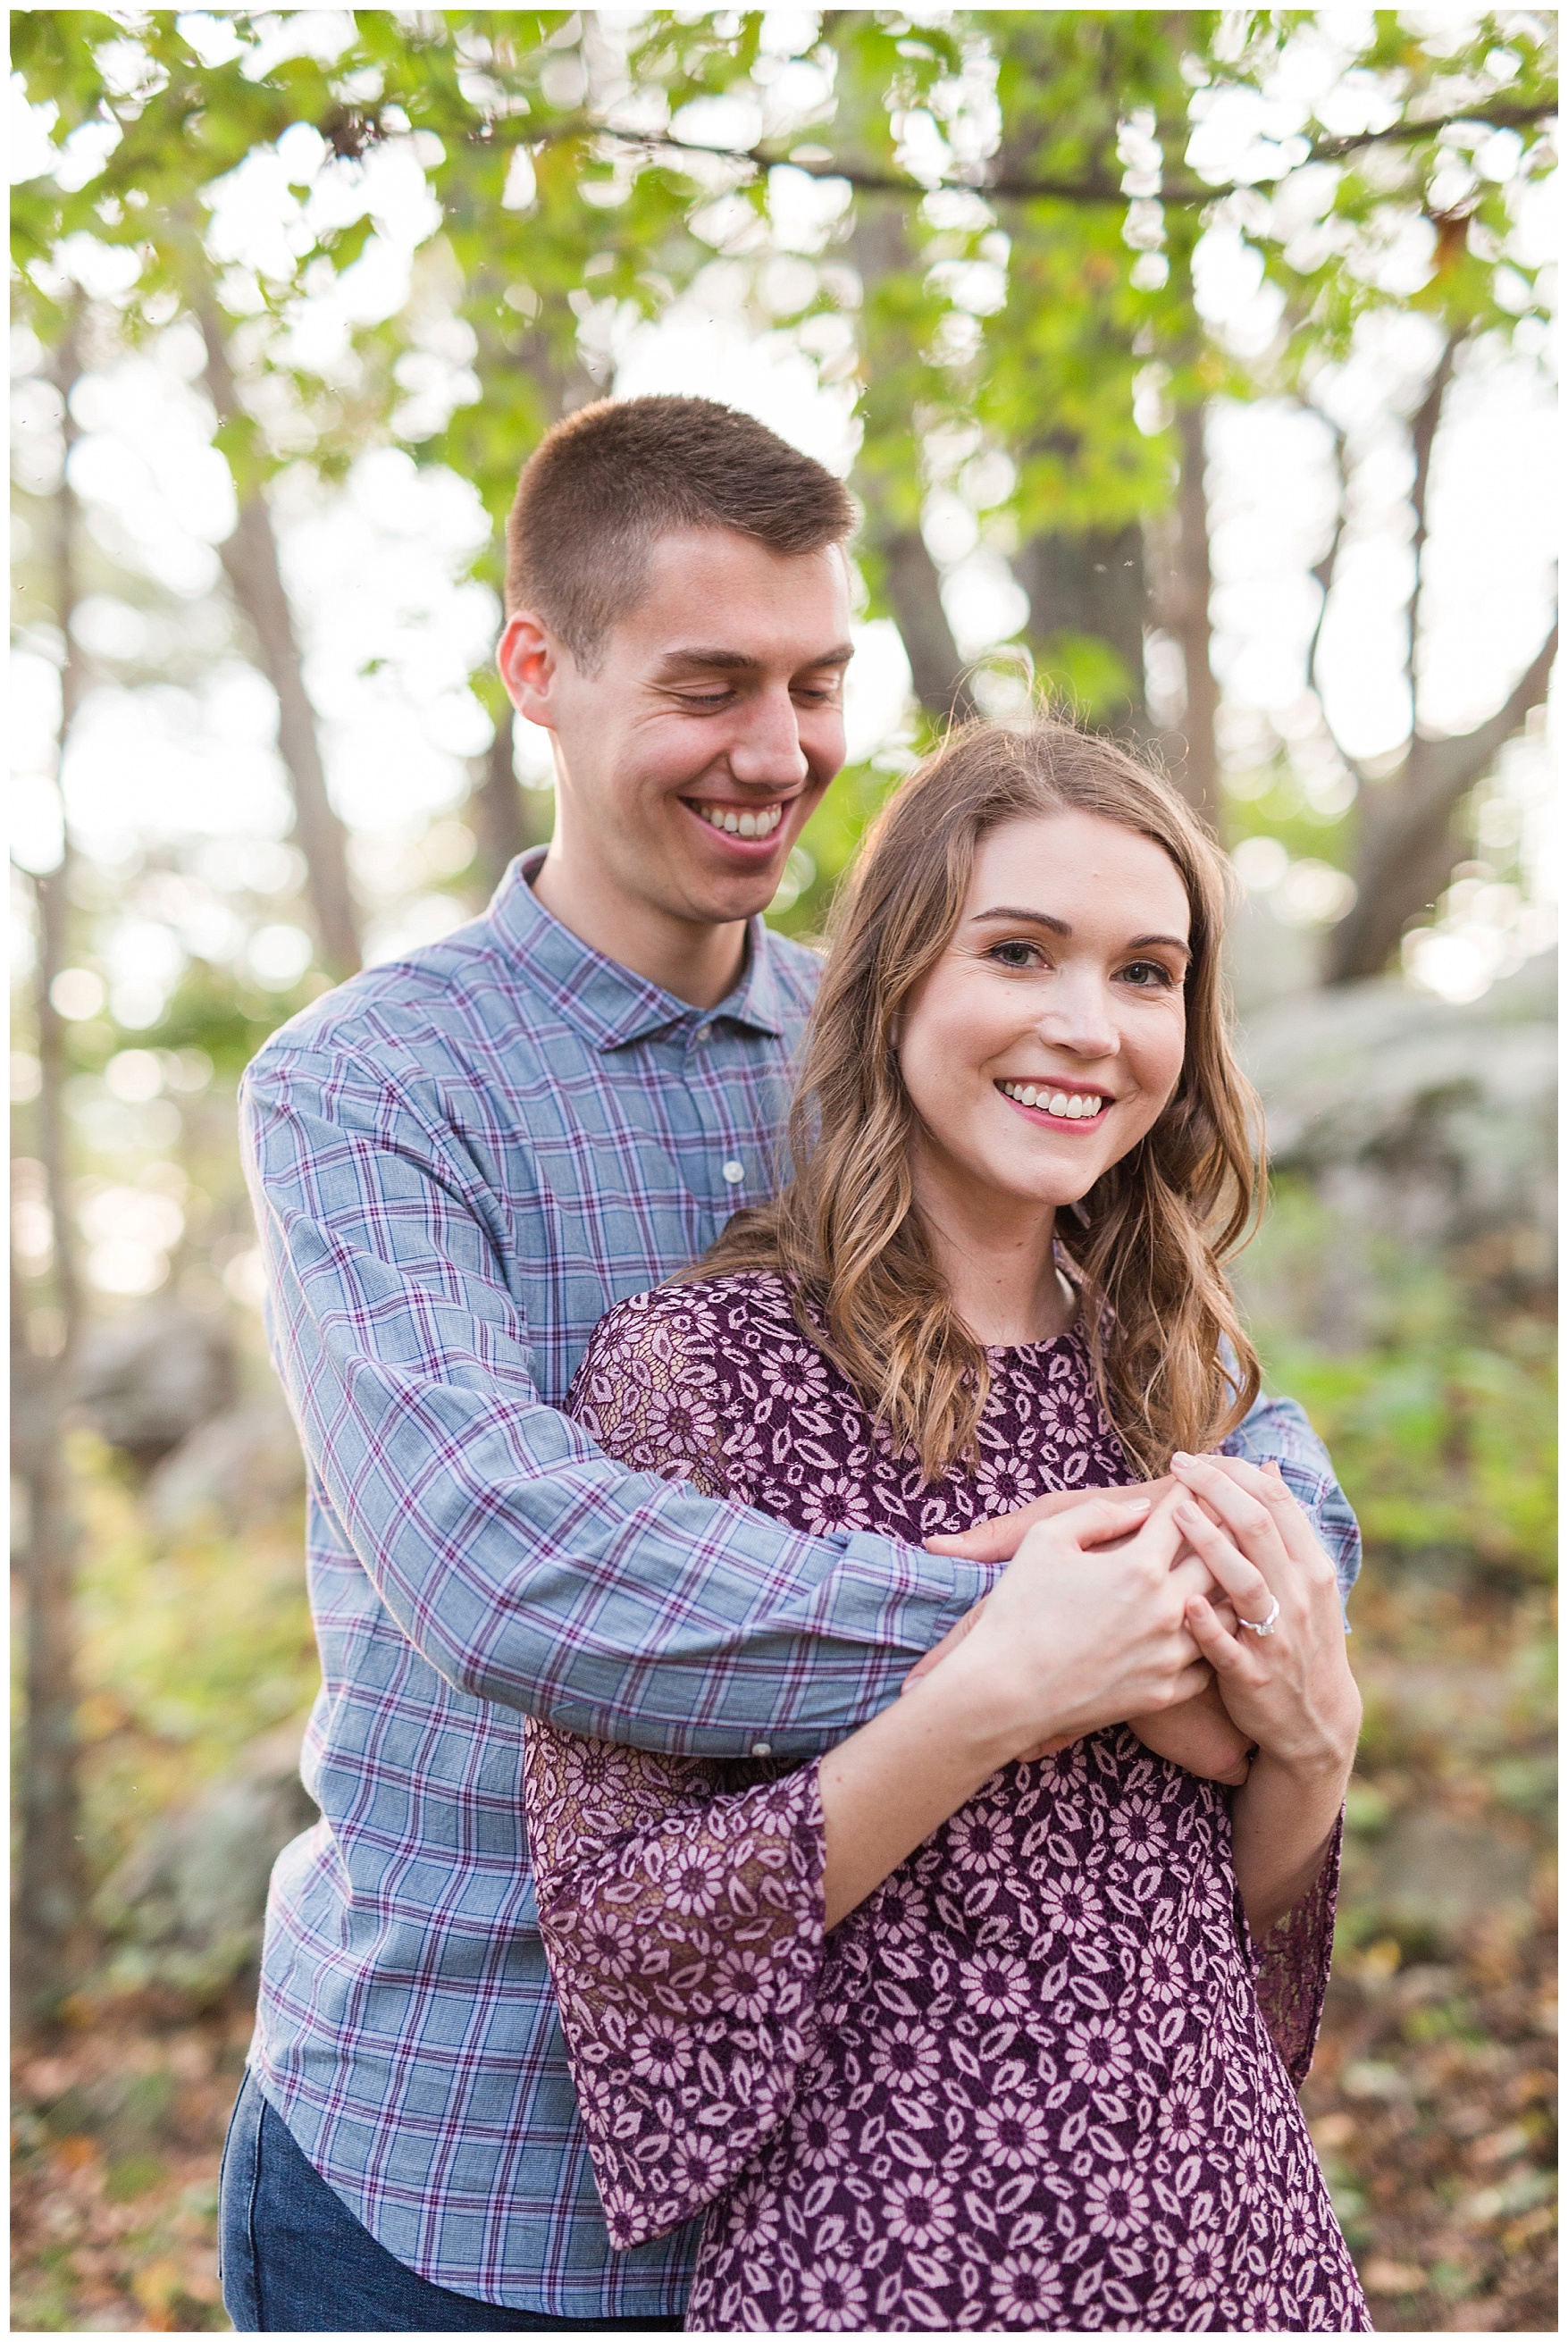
(1066, 1101)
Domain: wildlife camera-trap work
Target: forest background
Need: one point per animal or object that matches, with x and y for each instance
(1191, 366)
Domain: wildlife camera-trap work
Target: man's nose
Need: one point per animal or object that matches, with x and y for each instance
(766, 750)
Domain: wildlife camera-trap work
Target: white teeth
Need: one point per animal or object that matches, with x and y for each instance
(1067, 1106)
(743, 825)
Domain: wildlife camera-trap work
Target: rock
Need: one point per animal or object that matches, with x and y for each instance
(147, 1381)
(188, 1904)
(1423, 1120)
(1267, 961)
(1440, 1873)
(239, 1470)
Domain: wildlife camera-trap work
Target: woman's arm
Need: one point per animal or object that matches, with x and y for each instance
(682, 1919)
(1073, 1638)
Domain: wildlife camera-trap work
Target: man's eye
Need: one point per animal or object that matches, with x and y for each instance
(703, 702)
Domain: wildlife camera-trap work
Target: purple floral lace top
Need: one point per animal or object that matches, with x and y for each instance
(1029, 2082)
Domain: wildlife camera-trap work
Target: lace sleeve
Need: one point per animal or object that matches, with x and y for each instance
(680, 1898)
(648, 1390)
(1293, 1964)
(683, 1927)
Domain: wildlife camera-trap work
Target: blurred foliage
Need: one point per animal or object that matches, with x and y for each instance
(1023, 196)
(191, 1646)
(1443, 1427)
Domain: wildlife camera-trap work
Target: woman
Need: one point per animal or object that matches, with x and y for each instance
(961, 2028)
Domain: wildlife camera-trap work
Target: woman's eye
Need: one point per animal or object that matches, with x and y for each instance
(1016, 955)
(1148, 974)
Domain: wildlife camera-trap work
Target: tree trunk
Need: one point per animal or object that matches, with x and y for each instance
(1092, 584)
(889, 487)
(913, 586)
(1183, 606)
(47, 1911)
(1408, 851)
(250, 559)
(496, 807)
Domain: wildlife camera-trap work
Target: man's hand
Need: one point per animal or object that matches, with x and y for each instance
(999, 1539)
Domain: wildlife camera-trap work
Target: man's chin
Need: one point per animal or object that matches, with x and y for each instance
(722, 901)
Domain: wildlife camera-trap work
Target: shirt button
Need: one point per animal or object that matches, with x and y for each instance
(762, 1749)
(735, 1172)
(704, 1033)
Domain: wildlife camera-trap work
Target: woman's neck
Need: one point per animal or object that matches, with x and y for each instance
(997, 1254)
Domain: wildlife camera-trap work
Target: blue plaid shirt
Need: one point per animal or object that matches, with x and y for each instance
(459, 1162)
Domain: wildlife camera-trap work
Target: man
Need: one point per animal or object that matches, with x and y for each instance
(459, 1162)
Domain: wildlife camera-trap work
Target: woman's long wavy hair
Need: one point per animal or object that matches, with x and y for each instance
(1148, 1242)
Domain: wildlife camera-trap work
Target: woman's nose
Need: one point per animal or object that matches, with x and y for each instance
(1080, 1016)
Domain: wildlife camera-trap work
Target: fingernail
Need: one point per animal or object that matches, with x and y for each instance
(1181, 1456)
(1190, 1516)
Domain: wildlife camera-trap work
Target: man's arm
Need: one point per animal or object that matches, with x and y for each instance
(519, 1561)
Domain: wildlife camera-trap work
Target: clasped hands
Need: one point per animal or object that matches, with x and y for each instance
(1127, 1606)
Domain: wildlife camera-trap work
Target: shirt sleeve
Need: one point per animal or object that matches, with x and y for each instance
(1278, 1429)
(682, 1922)
(524, 1565)
(1293, 1964)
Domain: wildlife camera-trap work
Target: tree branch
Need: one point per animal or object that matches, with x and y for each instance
(1094, 188)
(1423, 438)
(1408, 851)
(1323, 570)
(250, 560)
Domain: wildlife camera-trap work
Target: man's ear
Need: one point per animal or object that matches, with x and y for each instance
(530, 659)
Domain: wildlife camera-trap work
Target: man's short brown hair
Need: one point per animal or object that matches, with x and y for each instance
(602, 487)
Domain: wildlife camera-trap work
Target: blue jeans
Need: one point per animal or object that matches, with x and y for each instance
(295, 2260)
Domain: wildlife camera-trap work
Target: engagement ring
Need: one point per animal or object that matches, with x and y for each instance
(1262, 1626)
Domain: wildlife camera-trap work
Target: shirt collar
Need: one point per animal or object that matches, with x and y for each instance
(608, 1002)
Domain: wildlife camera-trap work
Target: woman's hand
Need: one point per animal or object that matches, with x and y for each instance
(1197, 1734)
(1086, 1627)
(999, 1538)
(1290, 1690)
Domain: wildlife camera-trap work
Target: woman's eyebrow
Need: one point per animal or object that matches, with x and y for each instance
(1062, 927)
(1035, 918)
